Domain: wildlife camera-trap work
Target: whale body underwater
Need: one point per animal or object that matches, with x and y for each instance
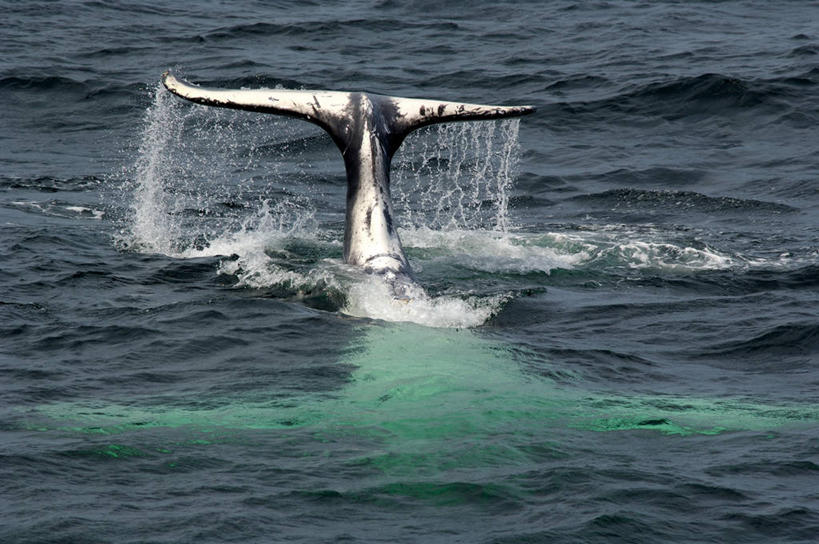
(368, 129)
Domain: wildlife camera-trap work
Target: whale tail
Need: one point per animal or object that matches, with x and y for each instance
(332, 110)
(368, 129)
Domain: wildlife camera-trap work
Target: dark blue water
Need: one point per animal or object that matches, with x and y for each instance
(620, 341)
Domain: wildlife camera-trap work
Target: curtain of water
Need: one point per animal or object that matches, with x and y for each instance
(457, 176)
(201, 173)
(153, 227)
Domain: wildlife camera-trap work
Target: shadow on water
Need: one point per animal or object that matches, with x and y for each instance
(418, 399)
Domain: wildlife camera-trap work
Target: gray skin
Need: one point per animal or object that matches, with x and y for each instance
(368, 129)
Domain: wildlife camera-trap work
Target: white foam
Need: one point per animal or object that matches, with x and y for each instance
(785, 260)
(27, 204)
(607, 245)
(95, 214)
(639, 254)
(58, 209)
(373, 297)
(267, 231)
(495, 251)
(646, 248)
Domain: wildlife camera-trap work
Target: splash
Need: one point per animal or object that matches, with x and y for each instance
(202, 174)
(153, 227)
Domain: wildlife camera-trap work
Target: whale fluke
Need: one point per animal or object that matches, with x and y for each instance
(368, 129)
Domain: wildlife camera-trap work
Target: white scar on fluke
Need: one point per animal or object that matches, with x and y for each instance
(368, 129)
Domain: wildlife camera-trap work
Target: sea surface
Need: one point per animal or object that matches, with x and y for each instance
(619, 340)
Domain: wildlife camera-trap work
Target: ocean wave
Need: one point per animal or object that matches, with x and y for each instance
(783, 272)
(463, 79)
(704, 90)
(654, 175)
(48, 184)
(674, 200)
(797, 339)
(577, 83)
(37, 89)
(124, 8)
(805, 50)
(323, 28)
(114, 52)
(43, 83)
(57, 208)
(695, 97)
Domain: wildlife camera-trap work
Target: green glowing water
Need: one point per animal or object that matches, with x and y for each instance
(418, 391)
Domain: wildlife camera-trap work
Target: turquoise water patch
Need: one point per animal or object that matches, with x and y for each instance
(415, 387)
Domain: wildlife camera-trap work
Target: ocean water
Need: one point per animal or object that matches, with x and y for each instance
(619, 340)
